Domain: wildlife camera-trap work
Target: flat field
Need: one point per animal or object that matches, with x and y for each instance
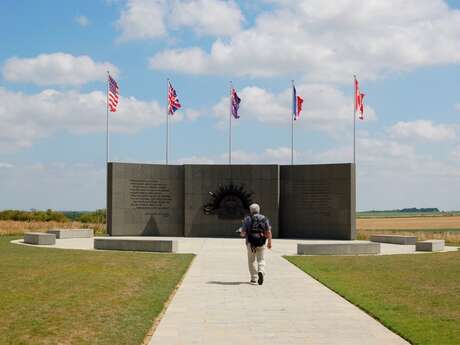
(11, 227)
(55, 296)
(424, 227)
(417, 296)
(409, 223)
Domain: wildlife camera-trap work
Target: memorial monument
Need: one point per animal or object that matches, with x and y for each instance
(301, 201)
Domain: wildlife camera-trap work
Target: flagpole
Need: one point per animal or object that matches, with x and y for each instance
(167, 120)
(230, 127)
(292, 125)
(107, 120)
(107, 157)
(354, 121)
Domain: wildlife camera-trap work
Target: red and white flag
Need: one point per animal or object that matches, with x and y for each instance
(359, 100)
(113, 95)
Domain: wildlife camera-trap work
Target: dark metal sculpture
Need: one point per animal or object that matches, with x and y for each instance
(229, 202)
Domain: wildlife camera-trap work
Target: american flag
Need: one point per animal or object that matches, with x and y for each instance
(113, 95)
(173, 101)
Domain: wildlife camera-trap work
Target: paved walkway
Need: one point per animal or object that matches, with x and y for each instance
(215, 305)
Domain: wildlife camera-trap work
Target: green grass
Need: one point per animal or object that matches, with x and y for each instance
(417, 296)
(52, 296)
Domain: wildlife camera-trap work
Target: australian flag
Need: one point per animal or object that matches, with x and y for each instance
(235, 104)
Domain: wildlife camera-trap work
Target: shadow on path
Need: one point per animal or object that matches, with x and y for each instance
(227, 283)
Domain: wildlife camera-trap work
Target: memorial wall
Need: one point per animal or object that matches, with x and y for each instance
(301, 201)
(318, 201)
(145, 199)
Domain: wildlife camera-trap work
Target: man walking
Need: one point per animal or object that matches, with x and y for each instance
(257, 231)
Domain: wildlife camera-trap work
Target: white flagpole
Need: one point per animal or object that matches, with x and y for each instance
(107, 157)
(230, 128)
(354, 120)
(107, 121)
(167, 120)
(292, 125)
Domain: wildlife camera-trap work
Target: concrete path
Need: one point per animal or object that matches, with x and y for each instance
(215, 305)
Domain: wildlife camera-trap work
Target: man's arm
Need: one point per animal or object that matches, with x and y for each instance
(243, 228)
(268, 235)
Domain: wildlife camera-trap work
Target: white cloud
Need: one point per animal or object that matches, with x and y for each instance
(150, 19)
(56, 69)
(422, 129)
(192, 114)
(4, 165)
(82, 21)
(330, 41)
(279, 155)
(455, 153)
(142, 19)
(27, 118)
(325, 108)
(208, 17)
(57, 185)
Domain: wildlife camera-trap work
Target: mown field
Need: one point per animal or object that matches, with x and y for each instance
(396, 214)
(52, 296)
(417, 296)
(437, 227)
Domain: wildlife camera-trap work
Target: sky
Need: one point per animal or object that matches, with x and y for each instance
(54, 56)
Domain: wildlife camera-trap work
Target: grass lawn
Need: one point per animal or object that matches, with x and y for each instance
(53, 296)
(417, 296)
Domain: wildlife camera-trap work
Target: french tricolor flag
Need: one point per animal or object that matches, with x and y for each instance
(296, 104)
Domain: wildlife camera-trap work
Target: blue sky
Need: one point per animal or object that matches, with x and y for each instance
(54, 55)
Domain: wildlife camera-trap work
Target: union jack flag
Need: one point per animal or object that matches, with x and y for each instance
(113, 95)
(173, 101)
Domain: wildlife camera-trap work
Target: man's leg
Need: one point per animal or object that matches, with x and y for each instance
(260, 255)
(252, 263)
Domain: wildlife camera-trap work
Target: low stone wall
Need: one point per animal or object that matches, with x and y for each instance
(430, 246)
(72, 233)
(136, 245)
(394, 239)
(40, 238)
(338, 248)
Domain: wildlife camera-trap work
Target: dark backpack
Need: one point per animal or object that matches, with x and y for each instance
(256, 236)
